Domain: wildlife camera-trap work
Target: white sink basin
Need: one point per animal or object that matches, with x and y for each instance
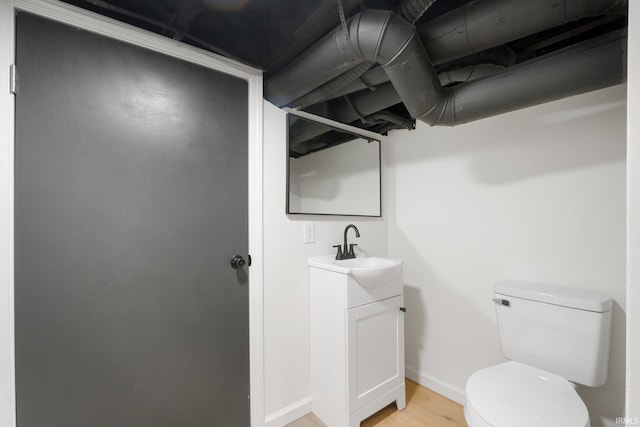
(370, 272)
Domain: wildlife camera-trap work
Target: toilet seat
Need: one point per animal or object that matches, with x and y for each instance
(515, 394)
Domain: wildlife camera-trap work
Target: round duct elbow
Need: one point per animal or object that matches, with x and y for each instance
(379, 35)
(374, 36)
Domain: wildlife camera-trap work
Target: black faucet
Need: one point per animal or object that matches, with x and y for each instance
(346, 252)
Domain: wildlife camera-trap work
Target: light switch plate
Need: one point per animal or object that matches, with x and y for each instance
(309, 232)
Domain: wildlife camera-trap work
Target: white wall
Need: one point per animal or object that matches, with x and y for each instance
(633, 217)
(286, 291)
(538, 195)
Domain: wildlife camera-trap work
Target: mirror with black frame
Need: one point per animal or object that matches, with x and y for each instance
(332, 170)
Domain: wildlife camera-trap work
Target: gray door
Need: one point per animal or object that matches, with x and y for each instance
(131, 198)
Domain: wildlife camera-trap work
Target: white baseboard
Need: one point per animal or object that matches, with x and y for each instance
(435, 384)
(302, 407)
(288, 414)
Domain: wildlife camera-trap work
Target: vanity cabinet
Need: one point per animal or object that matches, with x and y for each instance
(357, 347)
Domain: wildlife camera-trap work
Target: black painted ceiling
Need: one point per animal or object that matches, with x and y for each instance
(263, 33)
(267, 34)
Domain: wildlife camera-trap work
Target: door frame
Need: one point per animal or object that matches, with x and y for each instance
(95, 23)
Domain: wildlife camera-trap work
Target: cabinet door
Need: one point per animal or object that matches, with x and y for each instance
(375, 350)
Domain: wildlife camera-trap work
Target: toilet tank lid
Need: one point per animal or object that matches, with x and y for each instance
(566, 297)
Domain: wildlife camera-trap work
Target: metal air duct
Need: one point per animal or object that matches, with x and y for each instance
(484, 24)
(384, 38)
(577, 69)
(586, 66)
(373, 36)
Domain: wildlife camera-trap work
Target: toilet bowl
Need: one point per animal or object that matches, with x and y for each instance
(515, 394)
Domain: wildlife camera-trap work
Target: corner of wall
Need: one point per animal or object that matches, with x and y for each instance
(632, 410)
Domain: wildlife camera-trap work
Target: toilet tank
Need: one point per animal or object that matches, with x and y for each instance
(560, 330)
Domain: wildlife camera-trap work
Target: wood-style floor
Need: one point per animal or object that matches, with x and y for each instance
(425, 408)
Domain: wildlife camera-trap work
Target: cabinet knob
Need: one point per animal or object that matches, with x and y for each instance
(403, 309)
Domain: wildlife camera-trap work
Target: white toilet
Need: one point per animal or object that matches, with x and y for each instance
(554, 337)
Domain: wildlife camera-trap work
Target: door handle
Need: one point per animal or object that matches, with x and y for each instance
(238, 262)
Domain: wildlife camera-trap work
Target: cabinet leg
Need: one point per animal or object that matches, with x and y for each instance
(401, 402)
